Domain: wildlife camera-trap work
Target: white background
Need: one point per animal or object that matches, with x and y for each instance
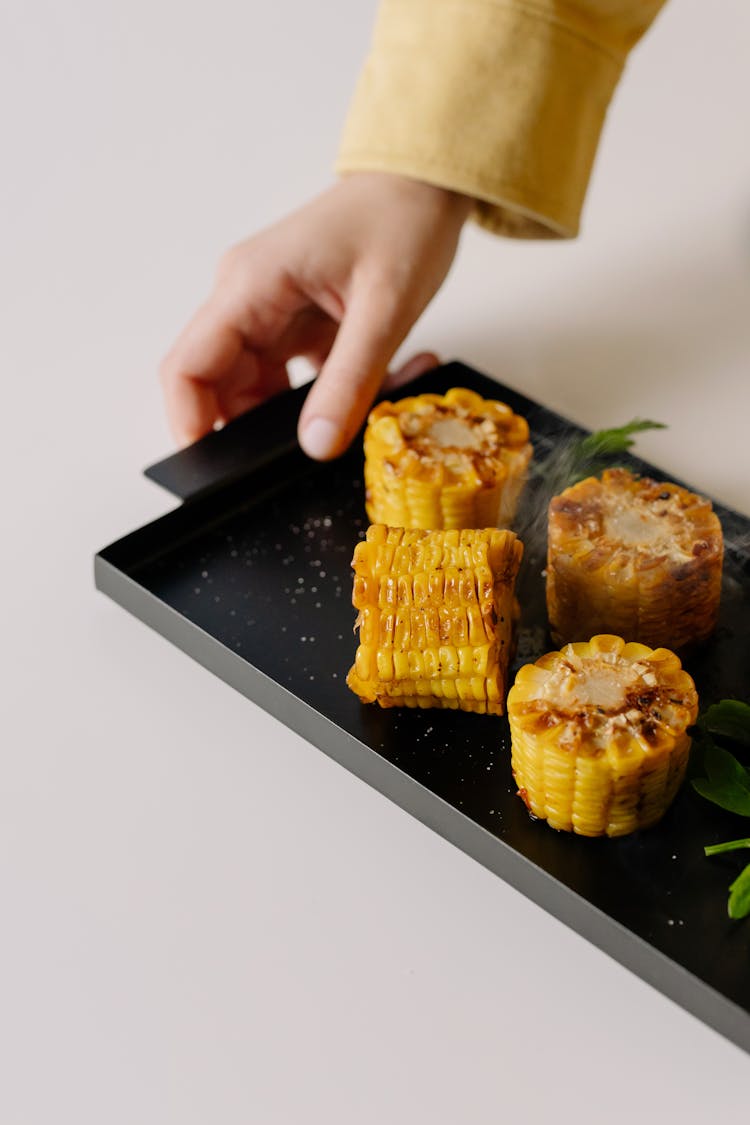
(203, 919)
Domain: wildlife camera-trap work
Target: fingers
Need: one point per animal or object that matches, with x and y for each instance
(252, 380)
(211, 376)
(373, 249)
(372, 328)
(417, 365)
(207, 350)
(233, 353)
(226, 359)
(310, 334)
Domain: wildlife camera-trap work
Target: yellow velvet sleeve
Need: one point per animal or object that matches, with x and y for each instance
(501, 100)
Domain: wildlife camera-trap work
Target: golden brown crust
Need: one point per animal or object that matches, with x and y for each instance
(435, 615)
(445, 461)
(633, 556)
(599, 734)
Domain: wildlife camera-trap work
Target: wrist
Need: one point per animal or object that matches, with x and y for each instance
(440, 200)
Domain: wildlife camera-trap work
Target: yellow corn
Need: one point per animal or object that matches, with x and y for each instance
(598, 735)
(635, 557)
(451, 461)
(436, 613)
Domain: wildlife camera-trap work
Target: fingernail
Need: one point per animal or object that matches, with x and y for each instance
(320, 438)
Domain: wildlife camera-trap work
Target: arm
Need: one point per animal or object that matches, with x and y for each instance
(503, 100)
(488, 106)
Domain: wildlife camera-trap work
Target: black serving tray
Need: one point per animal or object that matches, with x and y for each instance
(251, 577)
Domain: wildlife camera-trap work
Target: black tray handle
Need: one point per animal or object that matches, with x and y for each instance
(242, 446)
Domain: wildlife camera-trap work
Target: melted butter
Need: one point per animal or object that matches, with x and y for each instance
(636, 526)
(594, 683)
(454, 433)
(645, 528)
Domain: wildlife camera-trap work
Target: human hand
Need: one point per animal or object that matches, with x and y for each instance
(341, 282)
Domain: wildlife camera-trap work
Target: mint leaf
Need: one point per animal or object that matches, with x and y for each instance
(739, 895)
(730, 718)
(728, 782)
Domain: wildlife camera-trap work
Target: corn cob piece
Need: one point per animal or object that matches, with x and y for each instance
(451, 461)
(435, 614)
(598, 730)
(635, 557)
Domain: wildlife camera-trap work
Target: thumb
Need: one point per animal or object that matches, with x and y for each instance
(340, 398)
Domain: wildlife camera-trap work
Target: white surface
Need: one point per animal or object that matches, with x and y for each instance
(203, 918)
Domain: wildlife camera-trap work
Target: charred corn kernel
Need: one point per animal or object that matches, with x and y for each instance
(635, 557)
(598, 735)
(452, 461)
(438, 638)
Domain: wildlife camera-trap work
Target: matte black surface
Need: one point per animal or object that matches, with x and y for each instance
(253, 579)
(243, 446)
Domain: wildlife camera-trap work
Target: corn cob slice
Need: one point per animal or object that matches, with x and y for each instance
(449, 461)
(436, 615)
(635, 557)
(598, 735)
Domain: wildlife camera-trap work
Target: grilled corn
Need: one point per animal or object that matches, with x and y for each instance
(598, 731)
(435, 614)
(635, 557)
(449, 461)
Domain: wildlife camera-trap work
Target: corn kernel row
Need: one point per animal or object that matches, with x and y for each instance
(419, 476)
(601, 766)
(438, 637)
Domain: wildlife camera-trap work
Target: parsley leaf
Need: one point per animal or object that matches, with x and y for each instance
(728, 782)
(739, 895)
(729, 719)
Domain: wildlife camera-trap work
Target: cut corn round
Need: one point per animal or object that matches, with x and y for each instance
(633, 556)
(436, 613)
(599, 735)
(445, 461)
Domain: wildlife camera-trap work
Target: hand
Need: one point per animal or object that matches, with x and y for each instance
(341, 282)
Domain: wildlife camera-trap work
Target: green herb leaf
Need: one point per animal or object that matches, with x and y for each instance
(730, 718)
(605, 443)
(728, 782)
(570, 462)
(739, 895)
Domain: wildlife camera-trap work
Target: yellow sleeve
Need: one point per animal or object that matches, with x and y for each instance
(501, 100)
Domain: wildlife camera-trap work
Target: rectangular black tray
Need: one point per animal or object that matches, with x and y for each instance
(251, 577)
